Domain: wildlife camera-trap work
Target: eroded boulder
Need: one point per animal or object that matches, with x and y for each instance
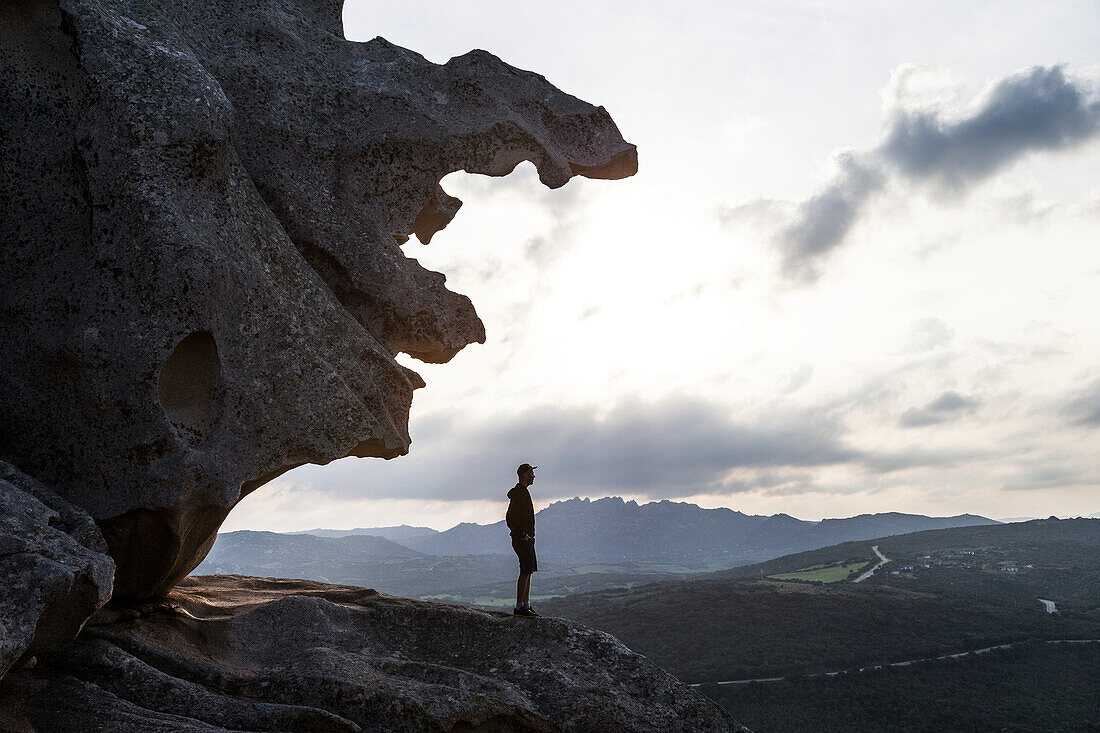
(54, 570)
(239, 653)
(203, 205)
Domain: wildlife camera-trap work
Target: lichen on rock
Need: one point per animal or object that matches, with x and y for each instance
(203, 211)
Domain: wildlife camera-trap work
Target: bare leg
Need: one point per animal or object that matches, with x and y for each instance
(527, 588)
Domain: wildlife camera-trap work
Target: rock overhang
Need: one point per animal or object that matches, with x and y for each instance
(205, 205)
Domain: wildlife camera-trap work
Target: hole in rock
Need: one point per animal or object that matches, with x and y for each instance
(187, 385)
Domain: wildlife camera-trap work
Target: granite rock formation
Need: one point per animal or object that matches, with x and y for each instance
(258, 654)
(203, 206)
(54, 570)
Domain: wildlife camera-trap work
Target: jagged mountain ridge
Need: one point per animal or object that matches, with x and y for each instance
(614, 530)
(611, 530)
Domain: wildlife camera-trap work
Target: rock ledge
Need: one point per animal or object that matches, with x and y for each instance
(243, 653)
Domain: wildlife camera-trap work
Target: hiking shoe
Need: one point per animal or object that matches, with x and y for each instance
(525, 612)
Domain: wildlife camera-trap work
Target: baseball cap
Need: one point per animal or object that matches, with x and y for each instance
(524, 468)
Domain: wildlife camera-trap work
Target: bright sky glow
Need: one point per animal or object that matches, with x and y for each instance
(946, 358)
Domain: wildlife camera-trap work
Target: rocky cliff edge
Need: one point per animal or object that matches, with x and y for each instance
(262, 654)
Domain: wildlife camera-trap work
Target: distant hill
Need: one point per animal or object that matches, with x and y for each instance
(611, 530)
(402, 534)
(1064, 553)
(363, 560)
(276, 550)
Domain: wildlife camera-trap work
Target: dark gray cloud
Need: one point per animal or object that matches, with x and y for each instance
(948, 406)
(1046, 476)
(1083, 406)
(1039, 109)
(667, 448)
(672, 447)
(1035, 110)
(771, 483)
(884, 462)
(823, 221)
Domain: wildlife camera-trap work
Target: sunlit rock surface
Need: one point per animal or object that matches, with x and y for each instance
(202, 211)
(54, 570)
(239, 653)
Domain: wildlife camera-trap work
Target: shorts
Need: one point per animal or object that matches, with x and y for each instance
(525, 551)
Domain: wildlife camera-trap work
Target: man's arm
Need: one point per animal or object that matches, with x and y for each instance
(530, 518)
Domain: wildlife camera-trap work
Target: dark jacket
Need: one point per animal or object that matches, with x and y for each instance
(521, 512)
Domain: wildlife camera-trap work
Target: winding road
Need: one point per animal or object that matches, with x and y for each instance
(1048, 605)
(882, 561)
(906, 663)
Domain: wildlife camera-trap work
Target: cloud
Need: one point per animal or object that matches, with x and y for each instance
(823, 221)
(928, 334)
(769, 483)
(926, 144)
(1026, 208)
(589, 312)
(934, 246)
(796, 380)
(901, 460)
(1050, 476)
(566, 208)
(948, 406)
(1035, 110)
(758, 211)
(1091, 207)
(666, 448)
(1083, 407)
(671, 447)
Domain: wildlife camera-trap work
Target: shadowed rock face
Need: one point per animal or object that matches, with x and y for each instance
(238, 653)
(203, 206)
(54, 570)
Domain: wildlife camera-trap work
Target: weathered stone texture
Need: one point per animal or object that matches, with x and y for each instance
(54, 570)
(238, 653)
(203, 205)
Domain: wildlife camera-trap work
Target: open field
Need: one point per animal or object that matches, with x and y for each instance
(832, 573)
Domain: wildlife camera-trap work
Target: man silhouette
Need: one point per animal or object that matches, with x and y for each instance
(521, 522)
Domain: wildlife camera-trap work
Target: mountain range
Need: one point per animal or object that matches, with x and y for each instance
(612, 530)
(578, 531)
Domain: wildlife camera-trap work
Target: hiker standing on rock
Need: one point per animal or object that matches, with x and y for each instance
(521, 522)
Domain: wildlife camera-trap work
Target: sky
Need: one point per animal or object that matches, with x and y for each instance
(857, 271)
